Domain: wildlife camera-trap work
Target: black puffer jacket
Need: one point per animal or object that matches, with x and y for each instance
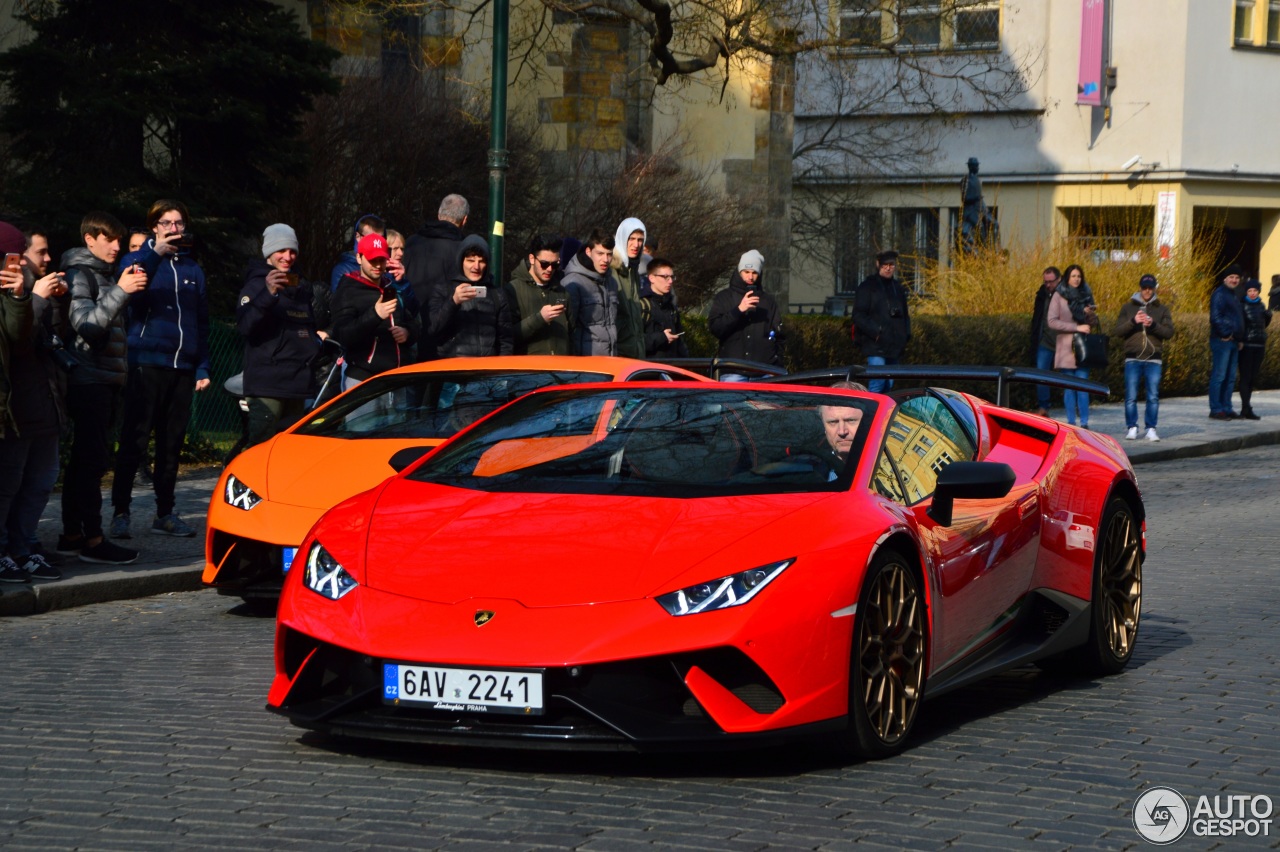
(478, 327)
(280, 341)
(753, 336)
(98, 337)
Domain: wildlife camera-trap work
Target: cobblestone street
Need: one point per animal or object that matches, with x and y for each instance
(140, 724)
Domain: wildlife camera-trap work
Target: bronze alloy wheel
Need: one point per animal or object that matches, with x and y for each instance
(1119, 592)
(890, 651)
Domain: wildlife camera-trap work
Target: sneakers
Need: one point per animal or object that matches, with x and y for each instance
(1131, 435)
(171, 524)
(11, 573)
(120, 527)
(1151, 434)
(39, 569)
(106, 553)
(69, 546)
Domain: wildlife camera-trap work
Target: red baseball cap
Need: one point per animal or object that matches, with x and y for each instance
(372, 246)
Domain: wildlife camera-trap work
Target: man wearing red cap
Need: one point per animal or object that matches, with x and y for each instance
(368, 320)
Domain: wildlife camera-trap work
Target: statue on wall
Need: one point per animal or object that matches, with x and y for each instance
(978, 227)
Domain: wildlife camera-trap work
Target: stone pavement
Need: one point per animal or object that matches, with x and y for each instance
(169, 564)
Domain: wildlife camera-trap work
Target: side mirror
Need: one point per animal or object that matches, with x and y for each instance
(407, 456)
(969, 481)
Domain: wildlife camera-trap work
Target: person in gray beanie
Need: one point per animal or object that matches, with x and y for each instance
(277, 322)
(745, 319)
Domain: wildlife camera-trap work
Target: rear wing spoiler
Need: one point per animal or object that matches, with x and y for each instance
(715, 367)
(1002, 376)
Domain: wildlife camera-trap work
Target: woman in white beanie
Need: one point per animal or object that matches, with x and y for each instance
(278, 324)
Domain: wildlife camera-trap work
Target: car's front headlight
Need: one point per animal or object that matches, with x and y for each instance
(240, 495)
(734, 590)
(325, 576)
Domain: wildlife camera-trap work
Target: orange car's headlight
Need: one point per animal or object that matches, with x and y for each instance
(722, 593)
(239, 495)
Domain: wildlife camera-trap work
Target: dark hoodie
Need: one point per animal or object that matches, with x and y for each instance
(477, 327)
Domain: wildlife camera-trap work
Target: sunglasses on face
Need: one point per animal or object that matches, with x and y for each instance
(547, 264)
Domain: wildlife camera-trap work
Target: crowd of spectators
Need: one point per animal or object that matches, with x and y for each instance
(113, 341)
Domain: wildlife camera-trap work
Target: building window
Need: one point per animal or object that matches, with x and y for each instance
(860, 21)
(1257, 23)
(1112, 234)
(977, 26)
(858, 240)
(921, 25)
(915, 237)
(1244, 21)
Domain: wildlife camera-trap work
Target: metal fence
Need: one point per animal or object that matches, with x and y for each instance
(214, 415)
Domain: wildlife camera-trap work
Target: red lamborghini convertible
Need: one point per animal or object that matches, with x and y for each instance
(657, 566)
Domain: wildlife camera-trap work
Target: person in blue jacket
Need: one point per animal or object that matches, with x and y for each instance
(168, 350)
(1226, 336)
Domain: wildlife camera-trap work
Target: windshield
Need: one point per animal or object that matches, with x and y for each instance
(682, 442)
(429, 404)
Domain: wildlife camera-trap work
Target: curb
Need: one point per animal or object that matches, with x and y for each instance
(1205, 448)
(99, 587)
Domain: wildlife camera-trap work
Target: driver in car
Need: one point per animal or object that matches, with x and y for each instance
(839, 427)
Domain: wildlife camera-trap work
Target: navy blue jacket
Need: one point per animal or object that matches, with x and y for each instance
(168, 322)
(1226, 318)
(280, 339)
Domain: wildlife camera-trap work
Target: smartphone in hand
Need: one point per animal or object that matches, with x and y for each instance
(12, 262)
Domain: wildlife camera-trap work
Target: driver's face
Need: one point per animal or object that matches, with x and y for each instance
(840, 425)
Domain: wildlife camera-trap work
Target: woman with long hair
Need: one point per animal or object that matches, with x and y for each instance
(1072, 310)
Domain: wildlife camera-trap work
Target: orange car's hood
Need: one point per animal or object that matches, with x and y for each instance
(449, 544)
(319, 473)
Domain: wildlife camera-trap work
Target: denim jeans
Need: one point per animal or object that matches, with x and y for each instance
(1044, 361)
(1222, 376)
(1076, 400)
(1149, 373)
(879, 385)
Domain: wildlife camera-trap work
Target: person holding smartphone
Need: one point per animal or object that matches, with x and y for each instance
(469, 316)
(539, 302)
(367, 320)
(281, 341)
(168, 365)
(97, 337)
(1144, 324)
(663, 330)
(745, 318)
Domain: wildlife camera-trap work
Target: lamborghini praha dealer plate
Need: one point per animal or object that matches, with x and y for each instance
(466, 690)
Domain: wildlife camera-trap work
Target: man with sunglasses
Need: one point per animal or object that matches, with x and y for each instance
(541, 303)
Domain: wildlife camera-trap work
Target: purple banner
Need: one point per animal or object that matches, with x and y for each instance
(1093, 19)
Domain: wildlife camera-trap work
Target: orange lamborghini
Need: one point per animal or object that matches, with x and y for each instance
(269, 496)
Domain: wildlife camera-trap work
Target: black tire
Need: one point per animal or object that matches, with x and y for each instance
(887, 661)
(1116, 605)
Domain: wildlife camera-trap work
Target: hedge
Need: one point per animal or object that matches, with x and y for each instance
(814, 342)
